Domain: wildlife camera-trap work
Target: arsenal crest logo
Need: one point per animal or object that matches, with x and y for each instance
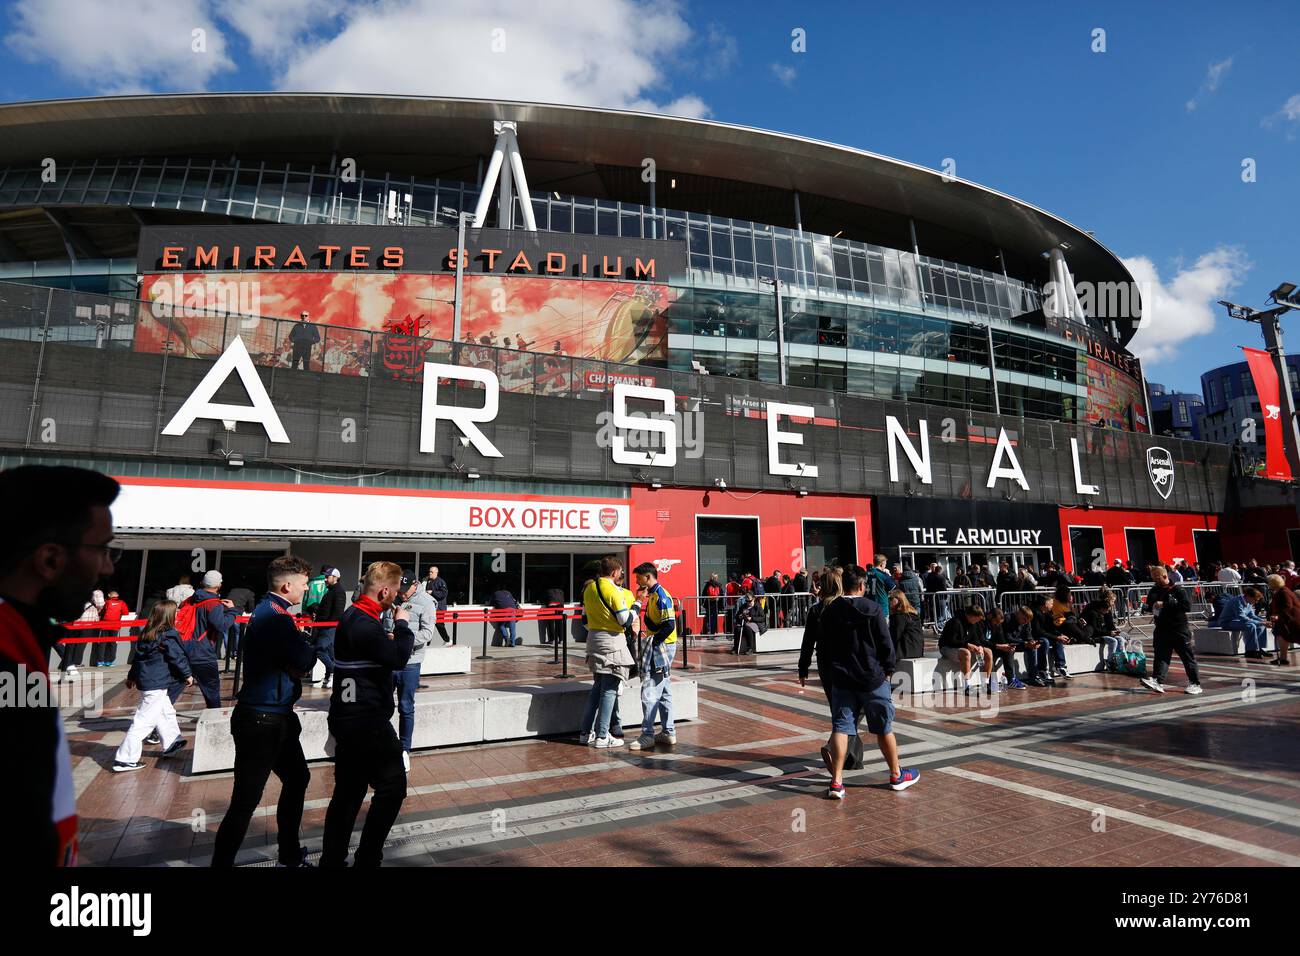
(1160, 466)
(609, 518)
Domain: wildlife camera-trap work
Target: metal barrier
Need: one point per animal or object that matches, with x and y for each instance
(938, 606)
(712, 616)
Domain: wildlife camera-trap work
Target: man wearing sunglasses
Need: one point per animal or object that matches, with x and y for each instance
(54, 550)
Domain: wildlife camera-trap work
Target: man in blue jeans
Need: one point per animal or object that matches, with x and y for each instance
(657, 660)
(422, 609)
(860, 656)
(503, 632)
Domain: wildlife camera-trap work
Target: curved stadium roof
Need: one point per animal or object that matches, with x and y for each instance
(721, 168)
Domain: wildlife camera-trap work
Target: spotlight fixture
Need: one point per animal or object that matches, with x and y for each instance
(801, 491)
(720, 483)
(234, 460)
(656, 484)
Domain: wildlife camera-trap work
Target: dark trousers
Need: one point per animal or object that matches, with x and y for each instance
(552, 631)
(364, 757)
(207, 678)
(70, 654)
(103, 652)
(301, 357)
(1008, 659)
(264, 744)
(709, 611)
(232, 643)
(442, 632)
(325, 649)
(1166, 646)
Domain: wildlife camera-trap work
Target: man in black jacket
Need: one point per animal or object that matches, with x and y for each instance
(1117, 576)
(367, 752)
(437, 588)
(1170, 605)
(329, 608)
(860, 656)
(54, 548)
(266, 731)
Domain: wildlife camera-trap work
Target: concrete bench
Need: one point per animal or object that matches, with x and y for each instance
(446, 718)
(1217, 640)
(451, 659)
(916, 675)
(779, 639)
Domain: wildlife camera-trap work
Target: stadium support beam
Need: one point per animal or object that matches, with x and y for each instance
(77, 243)
(511, 179)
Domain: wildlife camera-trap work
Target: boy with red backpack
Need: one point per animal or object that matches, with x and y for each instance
(202, 619)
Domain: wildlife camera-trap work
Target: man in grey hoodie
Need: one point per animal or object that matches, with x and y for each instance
(423, 609)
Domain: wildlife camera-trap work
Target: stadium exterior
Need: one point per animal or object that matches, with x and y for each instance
(813, 331)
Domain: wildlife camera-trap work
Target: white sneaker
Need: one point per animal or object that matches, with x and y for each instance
(72, 670)
(327, 683)
(1194, 689)
(588, 739)
(607, 743)
(644, 742)
(406, 760)
(1153, 684)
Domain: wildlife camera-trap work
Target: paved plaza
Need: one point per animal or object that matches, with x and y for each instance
(1099, 772)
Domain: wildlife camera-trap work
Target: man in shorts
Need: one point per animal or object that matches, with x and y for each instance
(860, 656)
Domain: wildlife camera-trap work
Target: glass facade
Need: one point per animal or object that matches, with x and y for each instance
(859, 318)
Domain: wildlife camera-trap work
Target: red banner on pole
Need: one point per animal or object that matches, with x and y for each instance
(1264, 373)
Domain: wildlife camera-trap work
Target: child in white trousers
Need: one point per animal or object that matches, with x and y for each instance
(159, 660)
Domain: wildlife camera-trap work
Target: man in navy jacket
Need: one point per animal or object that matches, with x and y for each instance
(266, 730)
(212, 619)
(367, 752)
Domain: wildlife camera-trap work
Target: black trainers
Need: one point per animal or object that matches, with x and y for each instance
(302, 863)
(153, 738)
(177, 744)
(124, 767)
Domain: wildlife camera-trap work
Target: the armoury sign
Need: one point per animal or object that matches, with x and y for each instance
(281, 248)
(626, 437)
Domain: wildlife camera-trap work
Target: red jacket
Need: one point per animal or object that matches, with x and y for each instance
(114, 608)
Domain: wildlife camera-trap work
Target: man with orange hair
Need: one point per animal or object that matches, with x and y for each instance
(367, 752)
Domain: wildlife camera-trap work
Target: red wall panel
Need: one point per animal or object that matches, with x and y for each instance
(668, 515)
(1259, 533)
(1173, 531)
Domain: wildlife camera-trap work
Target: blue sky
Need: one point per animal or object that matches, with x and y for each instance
(1142, 143)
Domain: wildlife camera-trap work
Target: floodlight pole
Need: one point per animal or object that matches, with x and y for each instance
(1269, 322)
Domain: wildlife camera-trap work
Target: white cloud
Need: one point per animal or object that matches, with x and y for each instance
(1289, 113)
(611, 53)
(1186, 306)
(274, 28)
(111, 49)
(785, 74)
(585, 52)
(1213, 76)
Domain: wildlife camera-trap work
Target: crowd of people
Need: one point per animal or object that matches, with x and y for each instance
(858, 625)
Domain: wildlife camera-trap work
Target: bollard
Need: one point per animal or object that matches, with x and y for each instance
(484, 656)
(564, 667)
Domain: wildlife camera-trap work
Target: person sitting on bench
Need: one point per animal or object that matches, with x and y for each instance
(1099, 615)
(1236, 612)
(962, 641)
(1006, 636)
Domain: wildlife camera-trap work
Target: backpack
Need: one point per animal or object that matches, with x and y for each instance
(187, 617)
(1132, 660)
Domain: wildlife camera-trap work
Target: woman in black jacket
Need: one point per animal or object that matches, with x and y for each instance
(159, 660)
(905, 627)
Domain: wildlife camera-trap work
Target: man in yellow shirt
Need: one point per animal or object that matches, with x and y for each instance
(656, 660)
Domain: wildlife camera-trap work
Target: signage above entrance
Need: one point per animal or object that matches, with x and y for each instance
(277, 248)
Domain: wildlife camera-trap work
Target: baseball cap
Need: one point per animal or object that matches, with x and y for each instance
(406, 583)
(331, 572)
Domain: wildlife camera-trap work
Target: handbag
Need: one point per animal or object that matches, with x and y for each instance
(1132, 660)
